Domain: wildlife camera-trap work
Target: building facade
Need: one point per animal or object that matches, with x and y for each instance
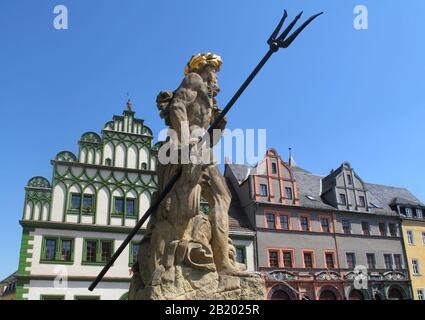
(313, 231)
(73, 223)
(413, 228)
(8, 288)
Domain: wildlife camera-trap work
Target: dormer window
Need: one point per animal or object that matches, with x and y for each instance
(362, 201)
(375, 205)
(419, 213)
(288, 193)
(309, 197)
(342, 199)
(409, 212)
(349, 179)
(263, 190)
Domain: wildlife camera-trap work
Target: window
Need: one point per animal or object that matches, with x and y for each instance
(365, 228)
(240, 254)
(263, 190)
(324, 222)
(271, 221)
(415, 267)
(376, 205)
(305, 225)
(97, 251)
(419, 213)
(349, 180)
(91, 249)
(308, 260)
(351, 260)
(288, 193)
(421, 295)
(393, 229)
(51, 297)
(75, 201)
(274, 259)
(330, 262)
(388, 261)
(397, 262)
(57, 250)
(129, 207)
(284, 222)
(144, 166)
(346, 226)
(106, 250)
(371, 261)
(108, 161)
(66, 250)
(118, 205)
(50, 250)
(362, 201)
(134, 250)
(409, 212)
(287, 259)
(88, 203)
(86, 298)
(410, 238)
(382, 229)
(342, 199)
(274, 168)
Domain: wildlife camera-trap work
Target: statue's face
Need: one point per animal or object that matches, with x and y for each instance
(209, 75)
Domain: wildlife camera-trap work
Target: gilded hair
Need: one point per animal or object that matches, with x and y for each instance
(202, 59)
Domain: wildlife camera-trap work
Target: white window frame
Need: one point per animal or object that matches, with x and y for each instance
(410, 241)
(421, 294)
(266, 190)
(419, 213)
(417, 266)
(409, 212)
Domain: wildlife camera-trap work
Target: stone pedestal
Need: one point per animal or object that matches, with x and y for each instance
(192, 284)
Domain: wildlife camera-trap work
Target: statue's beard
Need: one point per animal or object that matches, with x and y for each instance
(213, 90)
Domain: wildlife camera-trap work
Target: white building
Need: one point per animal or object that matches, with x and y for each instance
(72, 224)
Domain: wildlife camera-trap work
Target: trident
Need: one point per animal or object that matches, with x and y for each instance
(275, 42)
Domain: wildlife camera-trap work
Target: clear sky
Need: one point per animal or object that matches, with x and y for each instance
(338, 94)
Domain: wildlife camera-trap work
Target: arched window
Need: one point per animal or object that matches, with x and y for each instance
(395, 294)
(327, 295)
(356, 295)
(280, 295)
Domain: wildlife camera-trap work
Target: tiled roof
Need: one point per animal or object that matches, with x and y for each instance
(310, 189)
(237, 218)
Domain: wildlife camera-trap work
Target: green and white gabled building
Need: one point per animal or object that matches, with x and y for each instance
(72, 223)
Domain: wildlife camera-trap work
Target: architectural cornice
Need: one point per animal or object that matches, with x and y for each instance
(101, 167)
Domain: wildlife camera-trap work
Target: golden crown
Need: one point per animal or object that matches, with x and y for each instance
(201, 59)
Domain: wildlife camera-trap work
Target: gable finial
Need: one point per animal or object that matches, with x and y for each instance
(129, 103)
(291, 160)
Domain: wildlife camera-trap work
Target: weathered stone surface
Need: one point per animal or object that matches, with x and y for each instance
(191, 284)
(186, 254)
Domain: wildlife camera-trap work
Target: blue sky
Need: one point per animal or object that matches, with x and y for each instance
(338, 94)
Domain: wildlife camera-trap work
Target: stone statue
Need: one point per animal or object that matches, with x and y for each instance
(186, 254)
